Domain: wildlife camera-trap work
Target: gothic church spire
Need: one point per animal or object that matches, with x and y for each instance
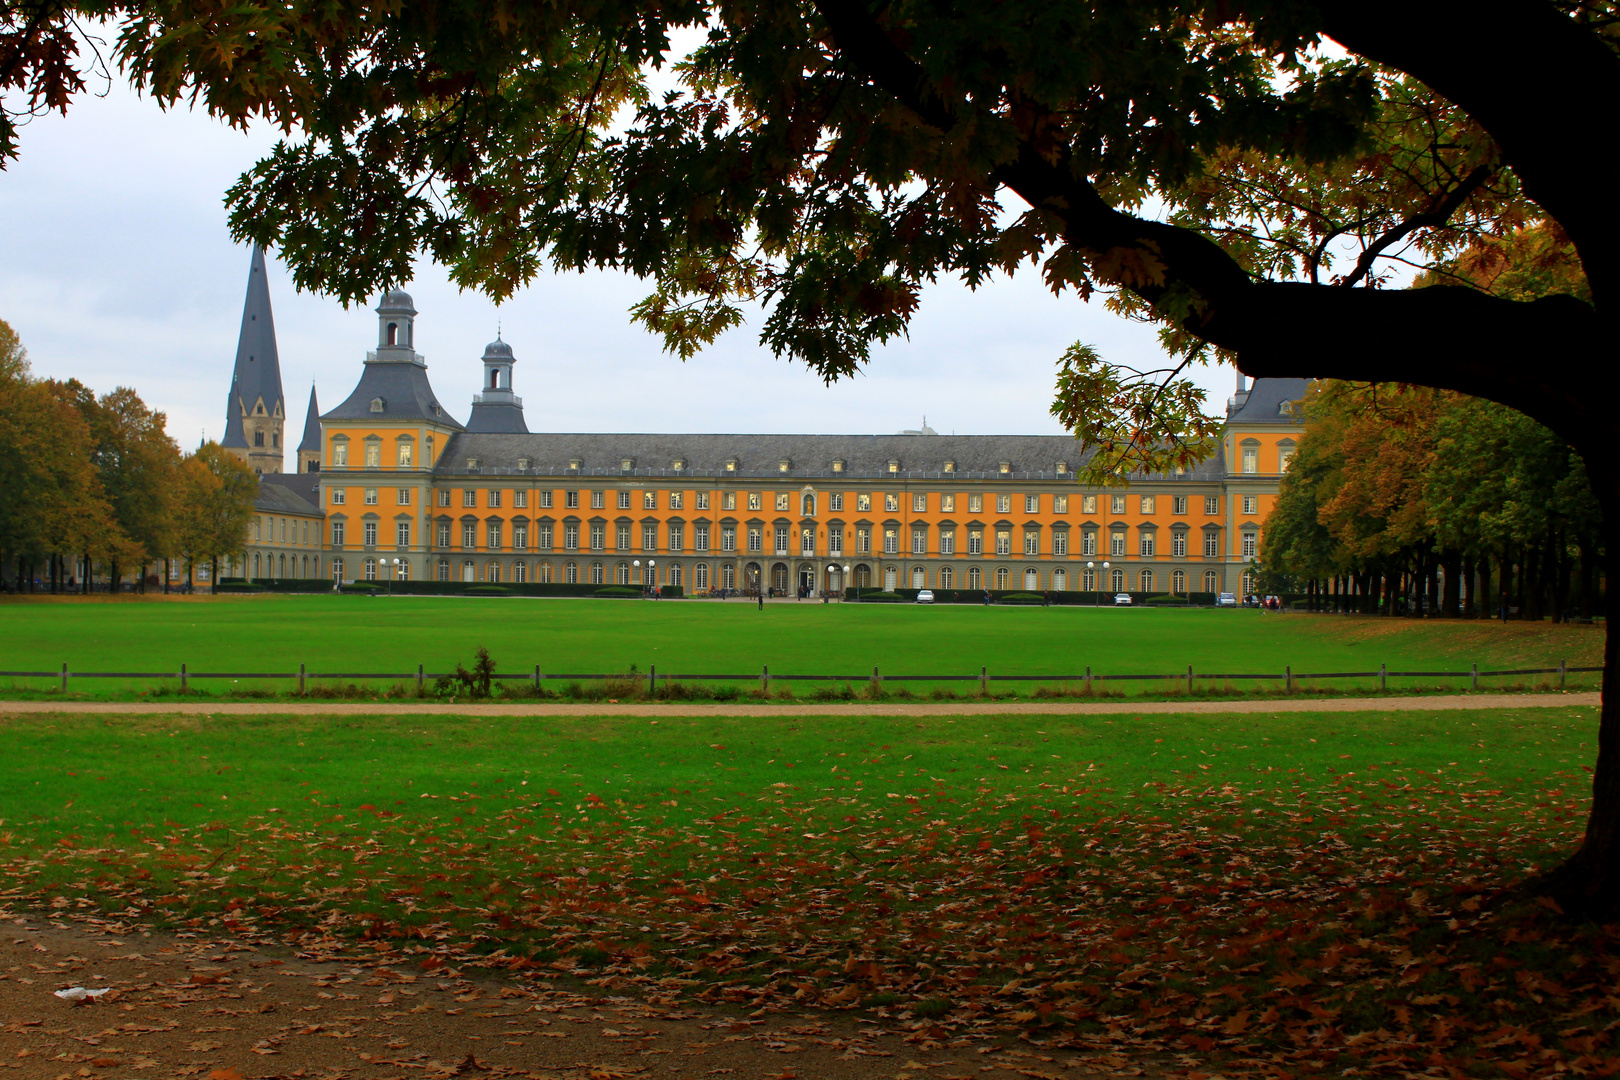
(256, 413)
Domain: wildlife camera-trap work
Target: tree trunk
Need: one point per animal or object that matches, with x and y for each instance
(1505, 591)
(1451, 602)
(165, 576)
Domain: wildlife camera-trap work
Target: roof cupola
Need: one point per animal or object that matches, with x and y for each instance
(495, 407)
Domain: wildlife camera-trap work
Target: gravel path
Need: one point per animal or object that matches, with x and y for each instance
(1427, 703)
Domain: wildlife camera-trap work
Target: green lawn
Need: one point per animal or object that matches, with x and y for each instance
(360, 634)
(1271, 887)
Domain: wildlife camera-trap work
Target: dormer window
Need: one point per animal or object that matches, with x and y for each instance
(784, 465)
(575, 464)
(679, 464)
(472, 463)
(523, 463)
(1004, 468)
(950, 466)
(838, 466)
(378, 404)
(894, 465)
(731, 465)
(627, 464)
(1063, 468)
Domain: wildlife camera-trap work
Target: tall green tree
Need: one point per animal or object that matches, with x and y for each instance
(216, 491)
(1243, 171)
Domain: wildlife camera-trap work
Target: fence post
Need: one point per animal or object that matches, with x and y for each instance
(300, 679)
(877, 680)
(984, 681)
(1562, 672)
(64, 676)
(418, 678)
(652, 679)
(1288, 678)
(1088, 678)
(537, 676)
(1189, 678)
(1473, 677)
(765, 679)
(1382, 677)
(183, 680)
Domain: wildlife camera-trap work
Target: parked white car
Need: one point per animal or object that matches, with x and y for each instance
(1226, 599)
(1122, 599)
(926, 596)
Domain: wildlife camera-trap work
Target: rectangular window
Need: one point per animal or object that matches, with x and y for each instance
(781, 540)
(469, 535)
(677, 538)
(520, 497)
(702, 500)
(1060, 542)
(677, 500)
(571, 500)
(444, 496)
(1060, 504)
(404, 455)
(863, 540)
(1178, 545)
(598, 536)
(542, 537)
(444, 534)
(340, 455)
(728, 538)
(1032, 504)
(947, 541)
(1251, 504)
(1003, 541)
(403, 495)
(756, 539)
(373, 455)
(975, 542)
(1088, 504)
(1211, 545)
(1032, 542)
(1212, 504)
(1003, 504)
(546, 498)
(649, 538)
(520, 537)
(975, 504)
(469, 497)
(835, 542)
(624, 500)
(728, 501)
(1116, 504)
(754, 502)
(891, 541)
(919, 504)
(598, 500)
(1251, 459)
(863, 503)
(947, 504)
(1145, 544)
(402, 533)
(571, 537)
(621, 538)
(649, 500)
(1116, 544)
(371, 497)
(835, 502)
(1150, 504)
(807, 542)
(495, 497)
(494, 536)
(1248, 545)
(782, 501)
(919, 541)
(1088, 542)
(338, 496)
(370, 534)
(1178, 505)
(700, 537)
(337, 534)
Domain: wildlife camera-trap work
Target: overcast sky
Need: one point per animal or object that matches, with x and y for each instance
(116, 268)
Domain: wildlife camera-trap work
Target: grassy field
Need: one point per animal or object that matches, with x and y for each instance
(1301, 893)
(359, 634)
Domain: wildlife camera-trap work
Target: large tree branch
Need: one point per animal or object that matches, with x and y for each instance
(1436, 215)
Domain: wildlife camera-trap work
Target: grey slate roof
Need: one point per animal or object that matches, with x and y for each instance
(258, 365)
(497, 416)
(312, 425)
(404, 389)
(1266, 400)
(289, 493)
(759, 456)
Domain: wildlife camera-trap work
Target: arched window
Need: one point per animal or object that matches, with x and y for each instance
(256, 572)
(1001, 577)
(393, 336)
(1248, 582)
(494, 378)
(1147, 581)
(492, 572)
(402, 572)
(890, 578)
(1178, 581)
(1032, 579)
(598, 574)
(283, 571)
(947, 578)
(728, 576)
(863, 576)
(542, 573)
(919, 579)
(371, 569)
(779, 577)
(621, 574)
(1060, 580)
(469, 572)
(675, 575)
(1212, 581)
(337, 570)
(571, 573)
(1088, 580)
(444, 569)
(1117, 581)
(975, 578)
(520, 572)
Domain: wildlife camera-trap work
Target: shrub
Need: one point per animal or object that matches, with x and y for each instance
(875, 596)
(362, 587)
(627, 591)
(238, 587)
(474, 683)
(1021, 598)
(488, 590)
(672, 592)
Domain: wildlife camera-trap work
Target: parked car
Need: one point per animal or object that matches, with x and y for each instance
(1122, 599)
(925, 596)
(1226, 599)
(1252, 600)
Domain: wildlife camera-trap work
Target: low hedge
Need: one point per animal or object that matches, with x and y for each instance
(487, 590)
(361, 587)
(628, 592)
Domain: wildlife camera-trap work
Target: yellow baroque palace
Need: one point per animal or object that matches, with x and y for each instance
(391, 487)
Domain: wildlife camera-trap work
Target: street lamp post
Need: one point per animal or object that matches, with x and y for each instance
(1099, 591)
(637, 564)
(652, 574)
(1091, 566)
(844, 581)
(393, 568)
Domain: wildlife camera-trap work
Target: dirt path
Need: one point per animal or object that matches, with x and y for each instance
(195, 1005)
(1429, 703)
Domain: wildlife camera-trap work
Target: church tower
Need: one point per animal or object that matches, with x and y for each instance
(256, 414)
(495, 408)
(309, 448)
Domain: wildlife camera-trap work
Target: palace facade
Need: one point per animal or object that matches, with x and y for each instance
(391, 486)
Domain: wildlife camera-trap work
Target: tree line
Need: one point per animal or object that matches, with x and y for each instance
(1409, 499)
(93, 487)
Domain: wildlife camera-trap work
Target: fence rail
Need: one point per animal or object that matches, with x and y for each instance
(1288, 676)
